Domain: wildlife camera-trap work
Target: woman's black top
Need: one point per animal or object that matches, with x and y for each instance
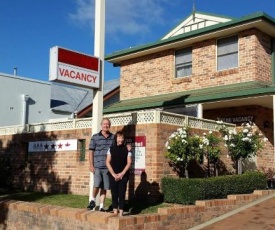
(119, 155)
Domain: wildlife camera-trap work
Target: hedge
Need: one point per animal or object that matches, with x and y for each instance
(187, 191)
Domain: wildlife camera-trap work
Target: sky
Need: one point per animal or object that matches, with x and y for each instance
(29, 28)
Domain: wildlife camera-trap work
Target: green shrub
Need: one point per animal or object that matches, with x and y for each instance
(178, 190)
(187, 191)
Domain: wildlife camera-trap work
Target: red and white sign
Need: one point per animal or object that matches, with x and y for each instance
(53, 146)
(74, 68)
(139, 152)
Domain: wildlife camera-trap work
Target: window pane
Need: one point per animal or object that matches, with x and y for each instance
(228, 61)
(227, 48)
(183, 56)
(183, 62)
(183, 71)
(227, 53)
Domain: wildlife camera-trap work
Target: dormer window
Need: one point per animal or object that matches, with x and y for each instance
(227, 53)
(183, 62)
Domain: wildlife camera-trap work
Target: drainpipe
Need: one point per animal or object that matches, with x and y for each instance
(25, 99)
(273, 60)
(273, 82)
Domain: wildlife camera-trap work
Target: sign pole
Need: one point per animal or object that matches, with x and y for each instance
(99, 42)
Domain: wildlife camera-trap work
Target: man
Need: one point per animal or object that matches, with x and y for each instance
(99, 145)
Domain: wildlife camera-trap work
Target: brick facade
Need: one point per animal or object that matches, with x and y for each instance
(141, 77)
(65, 172)
(154, 74)
(262, 116)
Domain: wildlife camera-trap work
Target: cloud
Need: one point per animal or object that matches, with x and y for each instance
(128, 17)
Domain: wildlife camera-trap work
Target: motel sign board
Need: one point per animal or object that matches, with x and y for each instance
(74, 68)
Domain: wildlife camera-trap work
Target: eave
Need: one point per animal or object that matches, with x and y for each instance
(260, 20)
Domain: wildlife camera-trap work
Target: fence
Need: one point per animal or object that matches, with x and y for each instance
(141, 117)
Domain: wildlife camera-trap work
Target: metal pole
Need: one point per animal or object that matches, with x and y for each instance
(99, 42)
(273, 108)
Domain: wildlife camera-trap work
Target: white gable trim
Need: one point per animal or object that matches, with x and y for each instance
(195, 21)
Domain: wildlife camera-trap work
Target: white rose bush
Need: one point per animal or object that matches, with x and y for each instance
(183, 147)
(243, 142)
(211, 150)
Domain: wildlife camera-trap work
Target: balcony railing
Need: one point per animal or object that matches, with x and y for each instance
(141, 117)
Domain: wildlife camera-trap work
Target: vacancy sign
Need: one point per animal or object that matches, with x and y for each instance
(74, 68)
(53, 146)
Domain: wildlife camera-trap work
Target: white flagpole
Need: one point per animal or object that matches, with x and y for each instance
(99, 45)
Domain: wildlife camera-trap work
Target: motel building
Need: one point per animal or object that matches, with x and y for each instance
(208, 68)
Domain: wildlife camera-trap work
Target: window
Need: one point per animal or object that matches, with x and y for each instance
(82, 149)
(227, 53)
(183, 62)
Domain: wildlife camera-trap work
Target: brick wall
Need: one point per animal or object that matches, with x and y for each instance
(154, 74)
(261, 115)
(65, 172)
(17, 215)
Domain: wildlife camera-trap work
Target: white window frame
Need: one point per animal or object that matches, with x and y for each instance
(183, 62)
(227, 53)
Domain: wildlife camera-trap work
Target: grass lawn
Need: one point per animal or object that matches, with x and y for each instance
(76, 201)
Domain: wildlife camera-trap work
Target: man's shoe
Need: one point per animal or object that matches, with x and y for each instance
(91, 205)
(102, 210)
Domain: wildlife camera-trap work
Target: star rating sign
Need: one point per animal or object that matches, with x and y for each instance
(60, 146)
(53, 145)
(46, 146)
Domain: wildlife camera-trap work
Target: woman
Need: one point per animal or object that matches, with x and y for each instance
(118, 162)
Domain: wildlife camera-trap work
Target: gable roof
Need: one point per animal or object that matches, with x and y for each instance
(196, 27)
(259, 20)
(195, 21)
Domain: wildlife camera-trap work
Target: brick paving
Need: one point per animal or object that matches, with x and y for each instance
(259, 215)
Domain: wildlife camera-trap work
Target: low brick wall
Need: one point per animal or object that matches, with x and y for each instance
(27, 216)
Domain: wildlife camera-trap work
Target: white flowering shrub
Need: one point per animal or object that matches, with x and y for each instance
(211, 146)
(244, 142)
(182, 147)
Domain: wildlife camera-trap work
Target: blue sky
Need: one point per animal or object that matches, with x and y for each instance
(29, 28)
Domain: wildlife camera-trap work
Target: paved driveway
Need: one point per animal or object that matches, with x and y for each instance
(257, 215)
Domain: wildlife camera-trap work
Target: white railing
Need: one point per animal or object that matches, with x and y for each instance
(140, 117)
